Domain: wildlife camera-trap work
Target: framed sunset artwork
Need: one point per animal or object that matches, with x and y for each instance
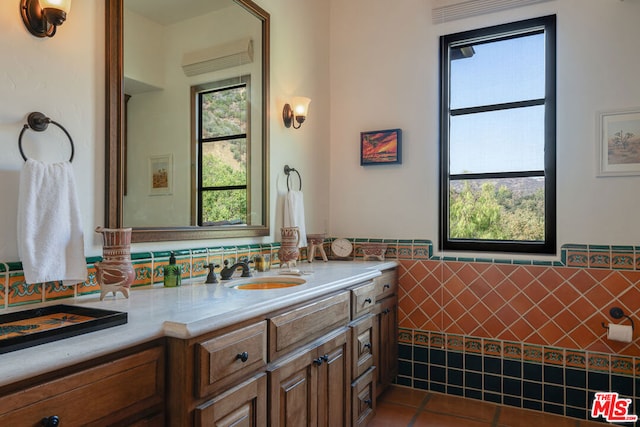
(381, 147)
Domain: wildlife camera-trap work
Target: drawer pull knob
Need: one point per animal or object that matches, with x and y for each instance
(386, 286)
(321, 359)
(367, 301)
(51, 421)
(386, 311)
(244, 356)
(367, 345)
(368, 402)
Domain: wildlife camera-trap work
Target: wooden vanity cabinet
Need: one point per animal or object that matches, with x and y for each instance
(311, 364)
(123, 389)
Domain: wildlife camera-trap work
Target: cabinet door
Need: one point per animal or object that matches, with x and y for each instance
(245, 405)
(333, 363)
(387, 341)
(292, 385)
(311, 387)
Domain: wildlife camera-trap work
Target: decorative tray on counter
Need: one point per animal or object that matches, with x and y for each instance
(28, 328)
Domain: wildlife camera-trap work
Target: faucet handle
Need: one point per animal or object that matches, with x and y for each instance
(211, 277)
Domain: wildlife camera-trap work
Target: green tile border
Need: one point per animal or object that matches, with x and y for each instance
(195, 260)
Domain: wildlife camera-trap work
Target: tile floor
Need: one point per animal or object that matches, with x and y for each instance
(405, 407)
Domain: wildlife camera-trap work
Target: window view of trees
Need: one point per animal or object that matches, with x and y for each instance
(486, 210)
(223, 195)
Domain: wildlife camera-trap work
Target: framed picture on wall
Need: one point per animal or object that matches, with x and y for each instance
(618, 142)
(160, 174)
(381, 147)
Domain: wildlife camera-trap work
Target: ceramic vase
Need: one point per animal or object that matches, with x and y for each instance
(288, 253)
(115, 273)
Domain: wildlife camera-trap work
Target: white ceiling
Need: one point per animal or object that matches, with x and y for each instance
(168, 12)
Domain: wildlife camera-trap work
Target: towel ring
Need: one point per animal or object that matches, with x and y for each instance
(287, 171)
(39, 123)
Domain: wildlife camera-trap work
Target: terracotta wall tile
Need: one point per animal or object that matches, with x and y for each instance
(532, 304)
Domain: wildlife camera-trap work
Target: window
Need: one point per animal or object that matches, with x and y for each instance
(497, 131)
(222, 120)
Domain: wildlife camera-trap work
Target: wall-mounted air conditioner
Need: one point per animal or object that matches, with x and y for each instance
(218, 57)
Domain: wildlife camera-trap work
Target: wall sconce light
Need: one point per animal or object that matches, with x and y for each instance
(42, 17)
(298, 109)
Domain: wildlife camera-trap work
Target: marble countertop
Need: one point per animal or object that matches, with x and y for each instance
(183, 312)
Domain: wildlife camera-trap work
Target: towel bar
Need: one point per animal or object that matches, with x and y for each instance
(39, 123)
(287, 171)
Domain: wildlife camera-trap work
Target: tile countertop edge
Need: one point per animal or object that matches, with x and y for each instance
(176, 312)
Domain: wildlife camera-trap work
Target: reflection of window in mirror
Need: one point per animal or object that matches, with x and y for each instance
(220, 121)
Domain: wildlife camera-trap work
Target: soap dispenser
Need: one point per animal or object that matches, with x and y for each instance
(172, 273)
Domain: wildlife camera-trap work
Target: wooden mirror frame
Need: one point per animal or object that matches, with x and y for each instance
(115, 136)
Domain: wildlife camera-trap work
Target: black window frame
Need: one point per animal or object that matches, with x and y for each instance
(200, 92)
(546, 24)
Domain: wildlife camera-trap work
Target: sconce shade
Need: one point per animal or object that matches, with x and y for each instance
(42, 17)
(298, 110)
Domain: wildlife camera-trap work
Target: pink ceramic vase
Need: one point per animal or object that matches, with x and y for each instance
(288, 253)
(115, 272)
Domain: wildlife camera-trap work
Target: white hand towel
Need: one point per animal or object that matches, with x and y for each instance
(50, 236)
(294, 214)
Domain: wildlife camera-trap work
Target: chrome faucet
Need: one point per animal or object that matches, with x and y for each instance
(227, 272)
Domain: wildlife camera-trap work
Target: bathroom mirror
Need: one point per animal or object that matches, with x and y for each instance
(187, 118)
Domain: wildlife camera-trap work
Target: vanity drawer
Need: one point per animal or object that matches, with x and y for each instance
(363, 401)
(225, 359)
(117, 392)
(242, 405)
(294, 328)
(363, 298)
(386, 284)
(362, 336)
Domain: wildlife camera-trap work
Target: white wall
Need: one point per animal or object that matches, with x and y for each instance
(383, 62)
(384, 74)
(64, 78)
